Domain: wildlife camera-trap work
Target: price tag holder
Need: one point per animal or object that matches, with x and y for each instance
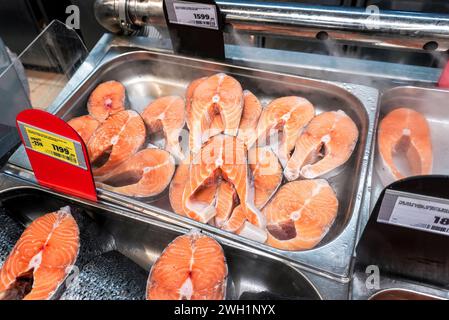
(57, 154)
(415, 211)
(407, 232)
(196, 28)
(193, 14)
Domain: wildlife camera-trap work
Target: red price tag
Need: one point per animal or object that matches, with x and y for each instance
(57, 154)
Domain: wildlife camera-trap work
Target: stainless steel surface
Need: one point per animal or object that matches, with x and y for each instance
(432, 104)
(389, 285)
(148, 75)
(391, 29)
(129, 16)
(142, 239)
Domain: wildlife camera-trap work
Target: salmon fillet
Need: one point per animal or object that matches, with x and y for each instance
(407, 131)
(221, 95)
(85, 126)
(166, 114)
(192, 267)
(250, 116)
(145, 174)
(300, 214)
(336, 133)
(107, 99)
(281, 122)
(41, 258)
(226, 200)
(266, 174)
(118, 138)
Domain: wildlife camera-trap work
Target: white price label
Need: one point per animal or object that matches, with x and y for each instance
(192, 14)
(420, 212)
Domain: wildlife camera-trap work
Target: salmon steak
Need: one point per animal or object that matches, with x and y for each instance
(223, 156)
(85, 126)
(108, 98)
(250, 116)
(280, 123)
(167, 114)
(221, 95)
(326, 144)
(41, 259)
(404, 132)
(300, 214)
(226, 200)
(192, 267)
(118, 138)
(218, 196)
(189, 97)
(180, 186)
(266, 173)
(145, 174)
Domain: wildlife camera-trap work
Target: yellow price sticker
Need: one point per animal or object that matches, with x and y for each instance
(52, 145)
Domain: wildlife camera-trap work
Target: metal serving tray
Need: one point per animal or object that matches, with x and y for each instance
(252, 275)
(432, 104)
(148, 75)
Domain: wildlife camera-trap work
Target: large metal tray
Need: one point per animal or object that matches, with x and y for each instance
(148, 75)
(432, 104)
(142, 239)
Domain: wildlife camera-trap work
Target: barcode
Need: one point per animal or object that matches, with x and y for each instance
(203, 23)
(437, 228)
(68, 158)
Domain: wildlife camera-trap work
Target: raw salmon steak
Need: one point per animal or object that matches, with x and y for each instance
(281, 122)
(192, 267)
(118, 138)
(145, 174)
(223, 156)
(219, 195)
(404, 132)
(41, 258)
(85, 126)
(107, 99)
(166, 114)
(250, 116)
(326, 144)
(266, 174)
(221, 95)
(300, 214)
(189, 96)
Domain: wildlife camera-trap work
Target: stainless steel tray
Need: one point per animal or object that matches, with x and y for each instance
(432, 104)
(252, 275)
(148, 75)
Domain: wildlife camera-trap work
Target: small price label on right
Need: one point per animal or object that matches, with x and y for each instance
(415, 211)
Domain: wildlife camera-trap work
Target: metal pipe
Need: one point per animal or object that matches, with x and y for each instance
(389, 29)
(368, 26)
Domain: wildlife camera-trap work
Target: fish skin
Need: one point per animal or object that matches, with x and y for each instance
(110, 276)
